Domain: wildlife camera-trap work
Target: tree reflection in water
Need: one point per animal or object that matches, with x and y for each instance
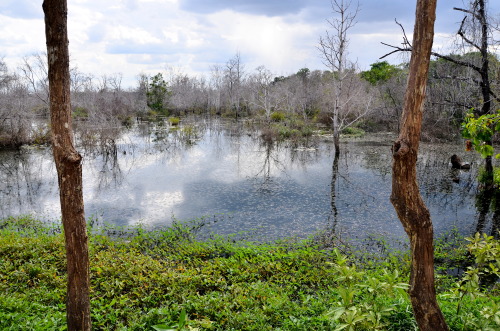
(151, 172)
(333, 193)
(488, 198)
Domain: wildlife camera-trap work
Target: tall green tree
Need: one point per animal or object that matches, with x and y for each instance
(157, 94)
(379, 72)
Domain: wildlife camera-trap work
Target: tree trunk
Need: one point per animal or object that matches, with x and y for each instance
(335, 125)
(68, 164)
(485, 79)
(405, 196)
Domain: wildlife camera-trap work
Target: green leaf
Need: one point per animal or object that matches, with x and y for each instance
(182, 319)
(163, 327)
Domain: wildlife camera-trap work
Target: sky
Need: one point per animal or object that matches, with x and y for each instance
(135, 37)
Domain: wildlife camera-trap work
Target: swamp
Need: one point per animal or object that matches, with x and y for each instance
(154, 173)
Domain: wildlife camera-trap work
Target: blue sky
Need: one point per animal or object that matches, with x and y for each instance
(147, 36)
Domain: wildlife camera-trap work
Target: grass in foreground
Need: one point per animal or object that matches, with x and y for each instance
(146, 280)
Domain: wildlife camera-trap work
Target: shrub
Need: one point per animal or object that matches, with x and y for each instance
(80, 112)
(174, 121)
(353, 131)
(278, 116)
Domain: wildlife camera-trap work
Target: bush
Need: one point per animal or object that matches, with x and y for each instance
(325, 119)
(174, 121)
(80, 112)
(278, 116)
(353, 131)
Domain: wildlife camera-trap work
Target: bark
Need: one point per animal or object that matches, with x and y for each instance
(405, 196)
(68, 164)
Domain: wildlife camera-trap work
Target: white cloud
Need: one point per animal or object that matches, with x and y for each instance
(271, 41)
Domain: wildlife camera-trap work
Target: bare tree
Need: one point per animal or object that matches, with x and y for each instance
(333, 48)
(68, 164)
(234, 78)
(34, 72)
(16, 109)
(475, 35)
(5, 76)
(261, 86)
(216, 80)
(405, 196)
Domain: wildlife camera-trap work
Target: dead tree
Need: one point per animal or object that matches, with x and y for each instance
(475, 34)
(333, 48)
(68, 164)
(405, 196)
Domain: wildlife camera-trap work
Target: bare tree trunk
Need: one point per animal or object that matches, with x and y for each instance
(333, 48)
(485, 79)
(405, 196)
(68, 164)
(336, 131)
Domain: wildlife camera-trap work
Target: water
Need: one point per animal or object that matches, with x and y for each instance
(153, 175)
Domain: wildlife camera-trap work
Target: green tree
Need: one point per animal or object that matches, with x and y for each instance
(380, 72)
(157, 94)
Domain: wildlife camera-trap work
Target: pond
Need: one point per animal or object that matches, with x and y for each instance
(155, 174)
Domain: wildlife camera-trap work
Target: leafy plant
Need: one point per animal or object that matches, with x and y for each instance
(153, 279)
(480, 131)
(179, 325)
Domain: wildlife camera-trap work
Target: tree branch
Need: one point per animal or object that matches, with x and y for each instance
(468, 41)
(468, 12)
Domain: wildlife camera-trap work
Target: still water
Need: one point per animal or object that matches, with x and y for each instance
(153, 175)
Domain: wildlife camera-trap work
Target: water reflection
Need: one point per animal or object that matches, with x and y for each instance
(333, 193)
(155, 173)
(487, 199)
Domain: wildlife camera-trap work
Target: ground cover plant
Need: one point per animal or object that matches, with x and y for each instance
(171, 279)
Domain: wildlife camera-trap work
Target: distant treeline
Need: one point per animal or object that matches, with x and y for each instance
(371, 100)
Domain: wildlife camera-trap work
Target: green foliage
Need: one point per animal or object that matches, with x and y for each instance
(167, 279)
(189, 134)
(379, 72)
(478, 286)
(157, 94)
(174, 121)
(353, 131)
(304, 73)
(127, 121)
(80, 112)
(277, 116)
(485, 177)
(480, 131)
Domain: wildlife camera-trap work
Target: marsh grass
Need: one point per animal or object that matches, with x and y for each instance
(153, 279)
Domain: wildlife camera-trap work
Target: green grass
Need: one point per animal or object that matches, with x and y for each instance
(144, 278)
